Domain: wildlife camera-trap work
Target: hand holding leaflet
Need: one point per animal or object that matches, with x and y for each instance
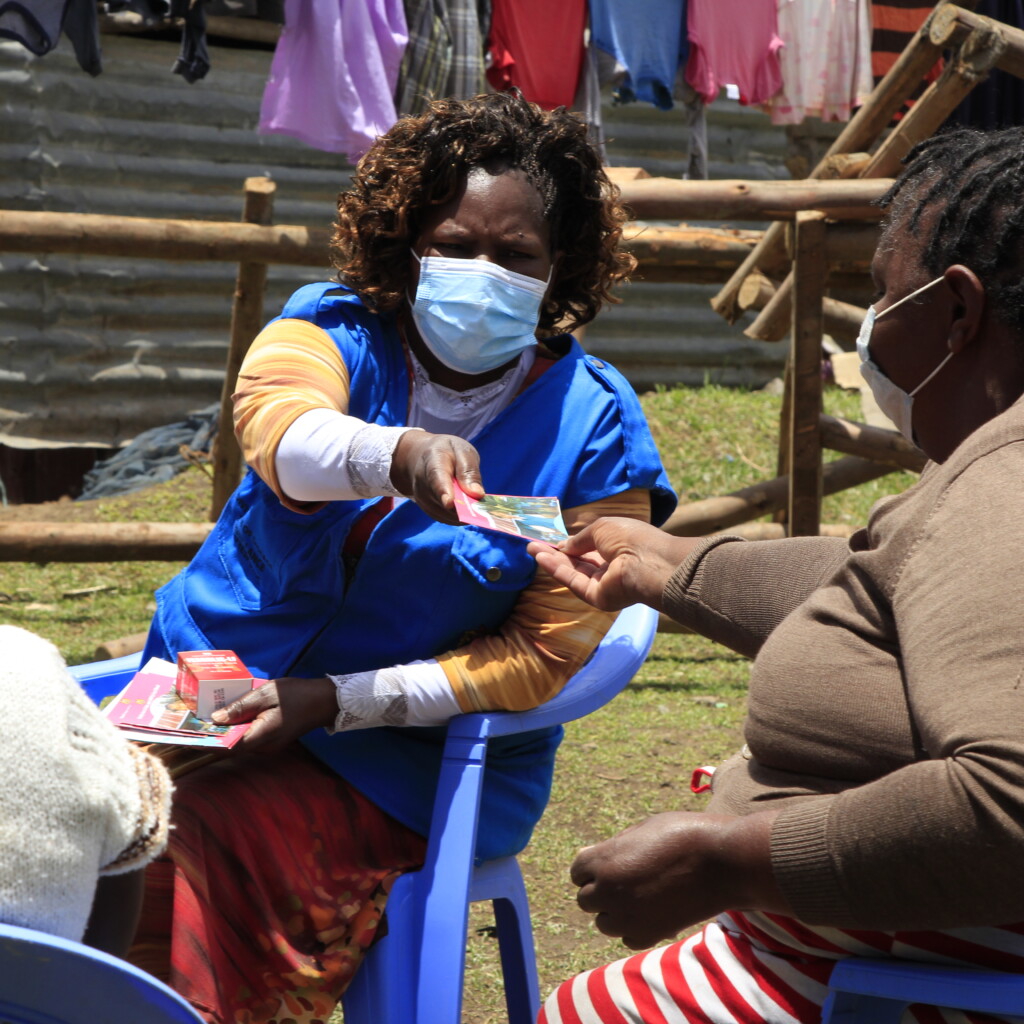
(151, 710)
(536, 519)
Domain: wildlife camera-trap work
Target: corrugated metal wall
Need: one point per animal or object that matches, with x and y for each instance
(94, 349)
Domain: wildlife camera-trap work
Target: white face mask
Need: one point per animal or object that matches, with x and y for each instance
(896, 403)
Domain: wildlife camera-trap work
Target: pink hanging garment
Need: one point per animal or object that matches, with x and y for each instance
(332, 80)
(825, 60)
(734, 42)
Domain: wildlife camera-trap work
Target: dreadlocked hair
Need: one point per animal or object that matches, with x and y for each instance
(966, 187)
(421, 163)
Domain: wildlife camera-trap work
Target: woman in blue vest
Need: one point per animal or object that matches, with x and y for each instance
(472, 239)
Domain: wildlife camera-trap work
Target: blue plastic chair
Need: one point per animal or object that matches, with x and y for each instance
(414, 974)
(879, 991)
(45, 979)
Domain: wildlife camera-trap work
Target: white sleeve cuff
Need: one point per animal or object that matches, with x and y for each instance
(327, 456)
(415, 694)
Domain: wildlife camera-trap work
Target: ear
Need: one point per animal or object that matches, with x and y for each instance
(968, 306)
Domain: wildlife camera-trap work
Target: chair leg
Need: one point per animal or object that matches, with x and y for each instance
(501, 882)
(518, 962)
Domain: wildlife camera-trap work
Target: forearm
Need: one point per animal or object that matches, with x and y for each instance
(326, 455)
(415, 694)
(737, 592)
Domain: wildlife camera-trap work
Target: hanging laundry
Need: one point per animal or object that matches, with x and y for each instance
(825, 60)
(427, 61)
(537, 46)
(894, 24)
(332, 79)
(445, 52)
(734, 42)
(695, 145)
(587, 100)
(649, 43)
(468, 21)
(194, 59)
(37, 25)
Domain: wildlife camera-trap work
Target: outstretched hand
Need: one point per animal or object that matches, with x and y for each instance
(423, 466)
(616, 562)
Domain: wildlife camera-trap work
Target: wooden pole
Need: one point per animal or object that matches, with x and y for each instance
(970, 64)
(842, 319)
(699, 518)
(97, 234)
(805, 408)
(859, 135)
(877, 443)
(953, 23)
(672, 199)
(665, 253)
(101, 542)
(246, 321)
(687, 253)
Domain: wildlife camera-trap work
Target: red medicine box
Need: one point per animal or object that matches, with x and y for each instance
(209, 680)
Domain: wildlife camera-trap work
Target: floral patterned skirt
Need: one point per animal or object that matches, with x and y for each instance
(272, 888)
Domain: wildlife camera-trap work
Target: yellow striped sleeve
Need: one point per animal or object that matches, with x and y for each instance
(547, 637)
(291, 367)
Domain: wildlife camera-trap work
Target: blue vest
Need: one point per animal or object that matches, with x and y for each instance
(272, 585)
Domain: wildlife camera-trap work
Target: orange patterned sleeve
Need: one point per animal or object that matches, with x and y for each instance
(547, 637)
(291, 367)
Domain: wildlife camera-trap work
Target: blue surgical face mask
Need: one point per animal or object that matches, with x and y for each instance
(474, 315)
(896, 403)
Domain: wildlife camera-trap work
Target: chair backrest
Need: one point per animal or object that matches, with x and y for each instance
(45, 979)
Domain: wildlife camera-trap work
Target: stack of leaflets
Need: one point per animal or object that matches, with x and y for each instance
(150, 709)
(530, 518)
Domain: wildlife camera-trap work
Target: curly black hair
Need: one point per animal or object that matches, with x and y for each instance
(966, 187)
(421, 162)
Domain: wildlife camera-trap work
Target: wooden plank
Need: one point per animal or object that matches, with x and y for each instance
(101, 542)
(805, 356)
(736, 199)
(247, 319)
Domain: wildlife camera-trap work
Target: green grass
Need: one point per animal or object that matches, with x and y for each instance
(631, 759)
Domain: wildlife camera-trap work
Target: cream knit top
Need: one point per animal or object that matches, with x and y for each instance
(76, 799)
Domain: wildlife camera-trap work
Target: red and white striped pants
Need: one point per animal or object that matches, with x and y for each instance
(758, 968)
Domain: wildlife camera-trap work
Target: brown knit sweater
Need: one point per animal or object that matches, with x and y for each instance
(886, 712)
